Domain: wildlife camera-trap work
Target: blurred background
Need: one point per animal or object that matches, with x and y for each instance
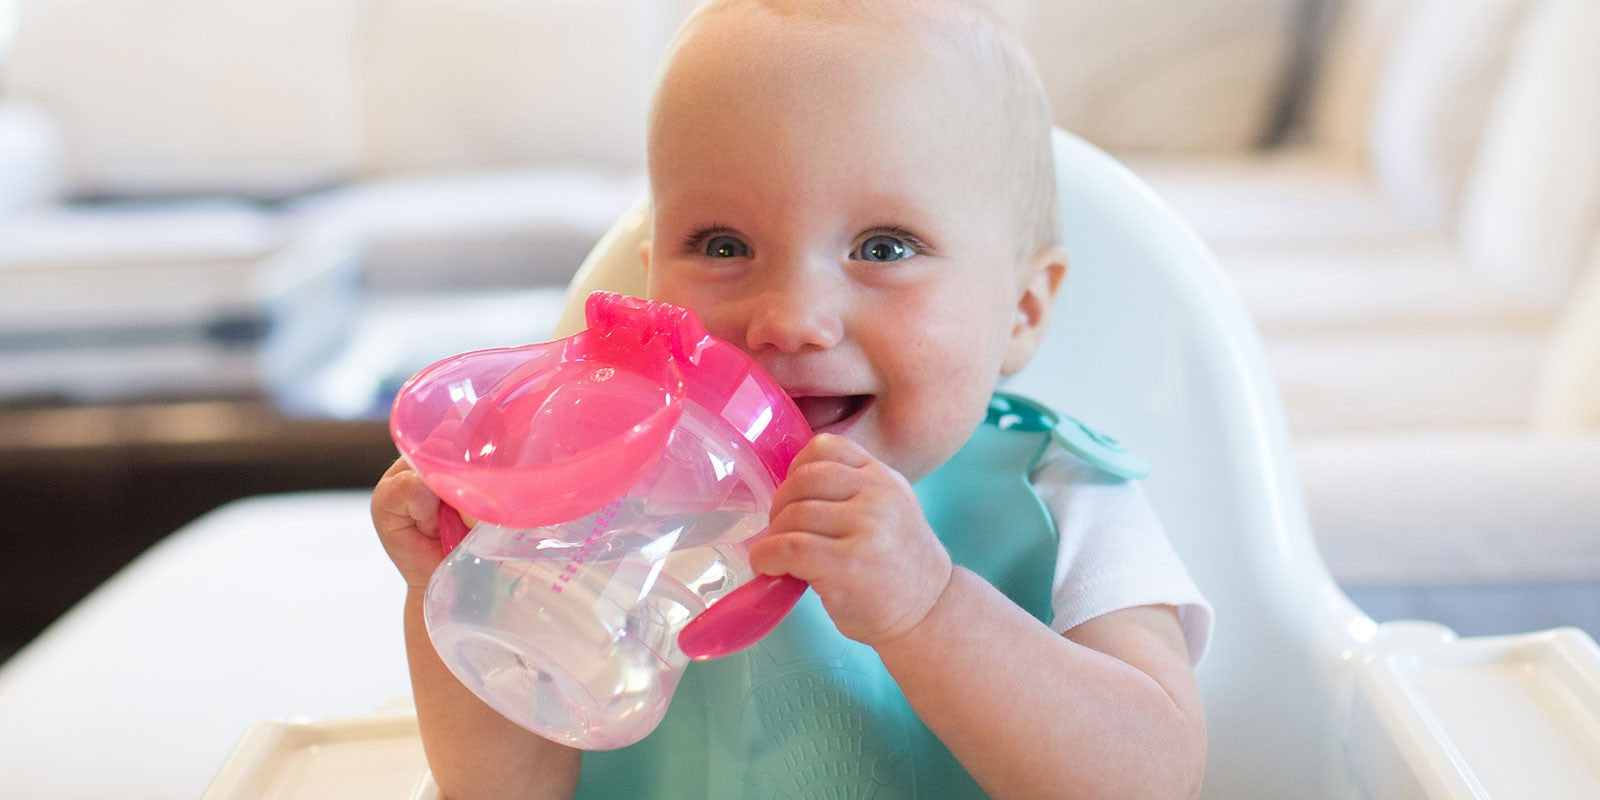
(230, 228)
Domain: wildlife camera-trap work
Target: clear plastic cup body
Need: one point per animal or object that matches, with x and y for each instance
(571, 630)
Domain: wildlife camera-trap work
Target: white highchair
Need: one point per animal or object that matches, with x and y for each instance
(1305, 695)
(287, 606)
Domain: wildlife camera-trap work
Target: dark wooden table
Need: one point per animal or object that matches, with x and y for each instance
(85, 489)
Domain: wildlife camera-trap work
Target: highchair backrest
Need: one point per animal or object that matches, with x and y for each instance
(1151, 345)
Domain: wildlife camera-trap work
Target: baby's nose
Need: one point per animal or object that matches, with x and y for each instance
(795, 315)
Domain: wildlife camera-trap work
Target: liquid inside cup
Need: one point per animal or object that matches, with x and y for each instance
(571, 630)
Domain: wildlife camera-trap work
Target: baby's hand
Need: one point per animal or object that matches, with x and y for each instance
(405, 513)
(850, 525)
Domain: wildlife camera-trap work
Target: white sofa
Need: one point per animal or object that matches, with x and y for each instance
(152, 151)
(467, 143)
(1423, 260)
(487, 142)
(465, 146)
(1412, 257)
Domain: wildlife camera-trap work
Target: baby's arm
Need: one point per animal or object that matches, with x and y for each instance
(1109, 710)
(473, 751)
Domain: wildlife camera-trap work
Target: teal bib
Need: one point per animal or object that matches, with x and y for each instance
(809, 713)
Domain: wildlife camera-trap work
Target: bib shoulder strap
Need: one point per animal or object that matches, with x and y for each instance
(1010, 412)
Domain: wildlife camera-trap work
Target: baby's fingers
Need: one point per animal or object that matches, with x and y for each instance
(405, 513)
(828, 468)
(826, 518)
(827, 481)
(831, 447)
(401, 501)
(803, 554)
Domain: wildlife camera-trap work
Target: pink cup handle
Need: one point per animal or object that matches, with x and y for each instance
(741, 618)
(452, 528)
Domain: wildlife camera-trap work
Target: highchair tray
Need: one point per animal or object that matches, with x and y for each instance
(1437, 716)
(1432, 716)
(369, 757)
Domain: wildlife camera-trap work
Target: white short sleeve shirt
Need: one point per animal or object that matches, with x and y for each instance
(1113, 551)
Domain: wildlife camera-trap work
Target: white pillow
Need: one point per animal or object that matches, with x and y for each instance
(1569, 387)
(254, 97)
(1433, 96)
(1533, 194)
(1154, 75)
(478, 84)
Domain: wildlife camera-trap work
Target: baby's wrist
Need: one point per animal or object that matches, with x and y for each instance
(918, 622)
(414, 600)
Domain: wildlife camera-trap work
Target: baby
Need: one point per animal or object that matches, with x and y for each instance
(860, 194)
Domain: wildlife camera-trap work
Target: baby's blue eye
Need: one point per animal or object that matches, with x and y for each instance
(884, 249)
(726, 247)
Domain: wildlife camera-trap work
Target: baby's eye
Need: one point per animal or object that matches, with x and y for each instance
(725, 247)
(884, 249)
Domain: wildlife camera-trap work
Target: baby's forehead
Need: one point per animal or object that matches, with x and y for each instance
(951, 52)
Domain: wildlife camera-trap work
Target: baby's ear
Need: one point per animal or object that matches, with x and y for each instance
(1035, 304)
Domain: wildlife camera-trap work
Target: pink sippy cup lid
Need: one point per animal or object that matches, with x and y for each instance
(541, 434)
(716, 376)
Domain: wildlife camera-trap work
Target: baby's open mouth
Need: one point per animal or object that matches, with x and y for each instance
(822, 412)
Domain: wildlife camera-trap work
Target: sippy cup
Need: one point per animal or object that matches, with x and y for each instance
(618, 476)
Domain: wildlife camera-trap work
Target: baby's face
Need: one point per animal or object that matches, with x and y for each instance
(834, 219)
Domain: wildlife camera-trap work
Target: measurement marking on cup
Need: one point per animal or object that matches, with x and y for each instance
(602, 526)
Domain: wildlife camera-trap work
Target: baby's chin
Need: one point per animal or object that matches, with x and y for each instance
(916, 452)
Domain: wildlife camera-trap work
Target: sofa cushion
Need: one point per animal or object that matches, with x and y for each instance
(394, 335)
(1533, 195)
(1312, 245)
(31, 161)
(480, 84)
(118, 302)
(250, 97)
(1279, 198)
(524, 227)
(1457, 507)
(1156, 75)
(1373, 284)
(53, 240)
(1433, 97)
(1341, 106)
(1438, 377)
(1569, 388)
